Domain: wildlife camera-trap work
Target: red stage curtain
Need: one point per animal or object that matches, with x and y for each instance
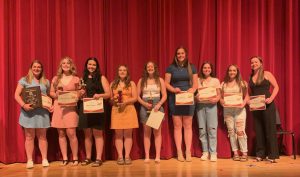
(132, 32)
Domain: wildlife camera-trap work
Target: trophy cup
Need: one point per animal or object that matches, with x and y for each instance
(120, 99)
(150, 101)
(82, 85)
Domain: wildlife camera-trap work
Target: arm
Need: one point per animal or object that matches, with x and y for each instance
(131, 100)
(112, 100)
(274, 83)
(222, 102)
(168, 85)
(195, 84)
(217, 98)
(140, 100)
(53, 93)
(163, 92)
(107, 92)
(18, 98)
(246, 95)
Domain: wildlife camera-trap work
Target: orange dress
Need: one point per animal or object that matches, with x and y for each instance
(126, 118)
(65, 117)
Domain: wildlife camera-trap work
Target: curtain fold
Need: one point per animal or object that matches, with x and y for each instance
(132, 32)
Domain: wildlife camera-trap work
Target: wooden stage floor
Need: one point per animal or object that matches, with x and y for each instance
(285, 167)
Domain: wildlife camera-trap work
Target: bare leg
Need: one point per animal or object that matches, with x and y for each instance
(99, 141)
(88, 142)
(157, 139)
(71, 132)
(119, 142)
(62, 142)
(29, 142)
(128, 142)
(147, 143)
(43, 143)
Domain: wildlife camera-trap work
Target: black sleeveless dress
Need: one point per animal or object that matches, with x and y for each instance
(92, 120)
(265, 123)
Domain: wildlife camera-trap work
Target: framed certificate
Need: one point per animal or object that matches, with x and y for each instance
(206, 93)
(184, 98)
(46, 101)
(67, 98)
(257, 102)
(155, 119)
(233, 99)
(91, 105)
(32, 95)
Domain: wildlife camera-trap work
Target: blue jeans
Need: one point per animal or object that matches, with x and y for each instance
(208, 124)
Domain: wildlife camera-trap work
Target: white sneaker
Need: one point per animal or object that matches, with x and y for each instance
(213, 157)
(204, 156)
(29, 164)
(45, 163)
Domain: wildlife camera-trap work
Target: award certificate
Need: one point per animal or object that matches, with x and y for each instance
(155, 119)
(257, 103)
(206, 93)
(32, 95)
(233, 100)
(67, 98)
(46, 102)
(184, 98)
(91, 105)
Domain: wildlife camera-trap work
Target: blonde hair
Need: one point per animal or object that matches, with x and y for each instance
(42, 79)
(59, 74)
(260, 76)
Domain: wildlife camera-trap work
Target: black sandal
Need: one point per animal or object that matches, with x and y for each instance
(258, 159)
(271, 161)
(86, 162)
(97, 163)
(64, 162)
(75, 162)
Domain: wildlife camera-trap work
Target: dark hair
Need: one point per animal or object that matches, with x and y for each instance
(185, 64)
(96, 75)
(117, 79)
(145, 75)
(201, 75)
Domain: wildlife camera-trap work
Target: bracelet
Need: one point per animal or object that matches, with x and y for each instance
(23, 105)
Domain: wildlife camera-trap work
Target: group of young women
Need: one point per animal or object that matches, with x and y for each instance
(151, 93)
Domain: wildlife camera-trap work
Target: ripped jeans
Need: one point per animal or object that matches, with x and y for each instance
(235, 119)
(208, 124)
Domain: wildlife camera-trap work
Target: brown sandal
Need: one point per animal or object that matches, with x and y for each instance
(244, 158)
(236, 157)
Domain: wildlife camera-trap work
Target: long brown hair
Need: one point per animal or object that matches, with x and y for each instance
(186, 63)
(42, 79)
(260, 76)
(238, 78)
(60, 71)
(145, 75)
(117, 79)
(201, 74)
